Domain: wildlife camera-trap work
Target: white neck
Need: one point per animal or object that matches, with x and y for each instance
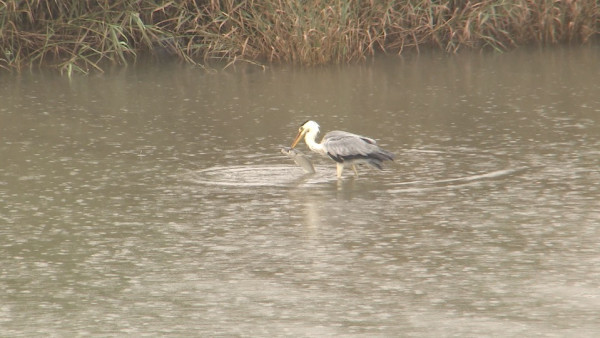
(310, 139)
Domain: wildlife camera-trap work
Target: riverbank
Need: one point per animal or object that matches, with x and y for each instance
(79, 37)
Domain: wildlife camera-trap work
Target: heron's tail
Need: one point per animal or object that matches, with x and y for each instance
(377, 157)
(382, 155)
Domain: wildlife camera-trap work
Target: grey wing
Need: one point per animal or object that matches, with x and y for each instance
(338, 134)
(342, 146)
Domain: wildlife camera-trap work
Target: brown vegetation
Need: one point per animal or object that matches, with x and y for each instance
(80, 35)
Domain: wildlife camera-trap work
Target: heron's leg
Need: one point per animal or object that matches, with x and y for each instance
(355, 171)
(340, 169)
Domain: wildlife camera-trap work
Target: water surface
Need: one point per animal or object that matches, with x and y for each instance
(155, 200)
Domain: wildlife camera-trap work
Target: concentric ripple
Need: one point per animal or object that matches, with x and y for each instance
(413, 170)
(248, 175)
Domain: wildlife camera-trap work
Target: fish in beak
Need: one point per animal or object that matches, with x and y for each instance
(301, 133)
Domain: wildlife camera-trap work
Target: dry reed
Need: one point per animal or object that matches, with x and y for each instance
(77, 36)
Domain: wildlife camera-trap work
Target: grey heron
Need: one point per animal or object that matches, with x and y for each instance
(345, 148)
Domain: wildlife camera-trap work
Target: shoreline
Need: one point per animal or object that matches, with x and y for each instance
(81, 37)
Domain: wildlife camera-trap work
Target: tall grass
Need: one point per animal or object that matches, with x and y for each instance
(81, 35)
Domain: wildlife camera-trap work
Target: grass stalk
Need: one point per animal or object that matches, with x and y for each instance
(79, 36)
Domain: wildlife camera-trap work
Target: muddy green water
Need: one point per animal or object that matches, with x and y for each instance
(155, 201)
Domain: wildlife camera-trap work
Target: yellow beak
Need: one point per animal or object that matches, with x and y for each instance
(298, 138)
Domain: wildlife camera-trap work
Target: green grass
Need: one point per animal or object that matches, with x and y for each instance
(79, 36)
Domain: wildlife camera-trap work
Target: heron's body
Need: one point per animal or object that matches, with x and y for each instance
(345, 148)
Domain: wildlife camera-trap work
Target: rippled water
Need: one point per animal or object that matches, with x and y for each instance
(155, 201)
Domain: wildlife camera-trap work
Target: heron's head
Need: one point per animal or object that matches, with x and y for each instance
(305, 128)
